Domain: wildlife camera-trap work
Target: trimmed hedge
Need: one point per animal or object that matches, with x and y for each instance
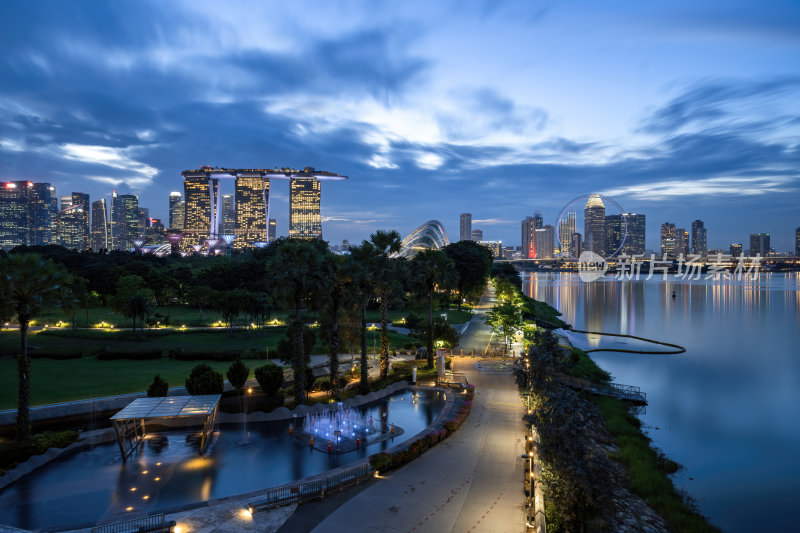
(384, 461)
(107, 355)
(56, 356)
(180, 355)
(14, 452)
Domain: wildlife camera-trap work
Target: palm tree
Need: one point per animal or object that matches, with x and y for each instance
(363, 283)
(28, 284)
(385, 244)
(432, 269)
(336, 287)
(296, 277)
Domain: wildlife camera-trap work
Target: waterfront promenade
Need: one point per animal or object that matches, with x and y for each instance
(472, 481)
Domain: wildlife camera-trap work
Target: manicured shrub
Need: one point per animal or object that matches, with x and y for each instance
(238, 374)
(15, 452)
(204, 380)
(158, 387)
(270, 378)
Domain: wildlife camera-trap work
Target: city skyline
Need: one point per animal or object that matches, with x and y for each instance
(403, 100)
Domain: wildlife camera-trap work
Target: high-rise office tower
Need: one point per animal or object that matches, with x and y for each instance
(627, 226)
(124, 220)
(42, 218)
(465, 227)
(201, 195)
(73, 221)
(144, 221)
(736, 249)
(305, 218)
(594, 225)
(177, 210)
(544, 238)
(155, 233)
(759, 244)
(227, 221)
(565, 230)
(576, 245)
(669, 240)
(273, 229)
(477, 235)
(686, 245)
(13, 213)
(252, 201)
(494, 246)
(797, 242)
(615, 233)
(699, 242)
(529, 227)
(99, 239)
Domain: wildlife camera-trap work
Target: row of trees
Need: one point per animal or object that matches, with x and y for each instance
(297, 276)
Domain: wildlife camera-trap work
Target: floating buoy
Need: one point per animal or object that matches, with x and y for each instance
(329, 446)
(311, 441)
(291, 430)
(358, 442)
(392, 428)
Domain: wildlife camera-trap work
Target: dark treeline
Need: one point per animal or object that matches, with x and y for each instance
(301, 278)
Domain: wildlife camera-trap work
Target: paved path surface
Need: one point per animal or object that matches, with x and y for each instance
(470, 482)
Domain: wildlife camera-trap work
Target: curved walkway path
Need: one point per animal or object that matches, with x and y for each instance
(470, 482)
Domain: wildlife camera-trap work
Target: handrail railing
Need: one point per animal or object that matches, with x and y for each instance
(315, 489)
(146, 524)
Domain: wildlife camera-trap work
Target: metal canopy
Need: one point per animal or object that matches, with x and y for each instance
(169, 407)
(129, 424)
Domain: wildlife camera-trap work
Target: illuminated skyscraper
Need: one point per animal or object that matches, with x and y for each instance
(544, 238)
(566, 228)
(227, 221)
(669, 240)
(144, 221)
(797, 242)
(252, 200)
(13, 213)
(73, 221)
(736, 249)
(155, 233)
(594, 225)
(684, 246)
(42, 217)
(759, 244)
(699, 243)
(576, 245)
(496, 248)
(99, 239)
(177, 210)
(465, 227)
(124, 220)
(305, 218)
(273, 229)
(529, 227)
(617, 226)
(201, 195)
(477, 235)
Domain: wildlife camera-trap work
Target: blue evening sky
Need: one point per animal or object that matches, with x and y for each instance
(679, 110)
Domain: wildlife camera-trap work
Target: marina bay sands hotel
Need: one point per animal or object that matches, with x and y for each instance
(204, 205)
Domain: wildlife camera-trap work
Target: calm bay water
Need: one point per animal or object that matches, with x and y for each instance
(729, 408)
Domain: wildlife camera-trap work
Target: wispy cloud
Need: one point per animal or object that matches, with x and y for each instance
(721, 186)
(492, 221)
(119, 158)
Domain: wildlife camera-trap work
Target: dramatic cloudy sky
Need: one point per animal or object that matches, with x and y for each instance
(678, 109)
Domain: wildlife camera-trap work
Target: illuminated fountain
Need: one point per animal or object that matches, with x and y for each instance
(344, 429)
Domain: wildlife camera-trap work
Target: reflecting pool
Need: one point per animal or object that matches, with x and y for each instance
(167, 471)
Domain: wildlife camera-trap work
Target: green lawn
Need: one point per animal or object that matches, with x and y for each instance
(60, 381)
(73, 379)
